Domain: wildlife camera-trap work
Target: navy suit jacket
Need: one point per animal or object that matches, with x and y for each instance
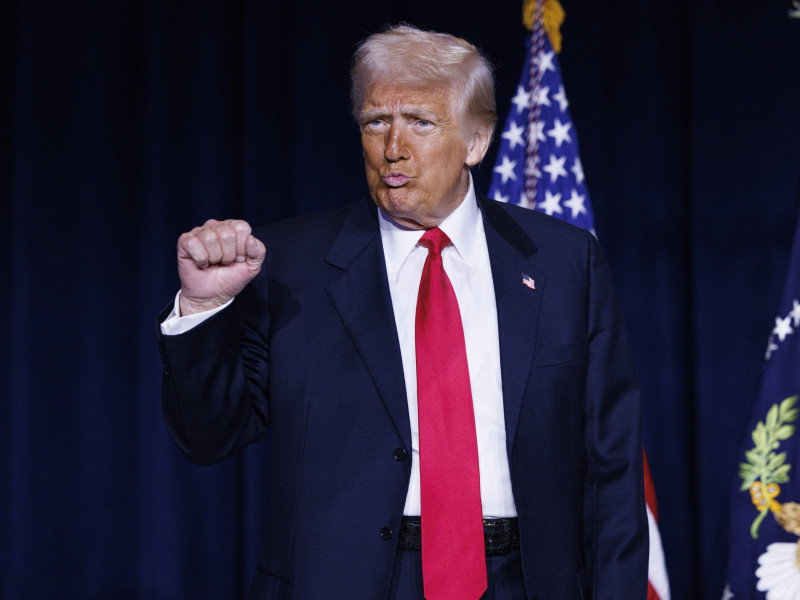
(309, 351)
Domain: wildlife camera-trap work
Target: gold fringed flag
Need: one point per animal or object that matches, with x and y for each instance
(764, 529)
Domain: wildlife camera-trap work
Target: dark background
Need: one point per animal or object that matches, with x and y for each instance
(124, 124)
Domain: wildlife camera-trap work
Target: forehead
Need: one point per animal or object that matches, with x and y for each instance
(391, 96)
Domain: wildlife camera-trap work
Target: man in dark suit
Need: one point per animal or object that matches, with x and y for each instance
(366, 338)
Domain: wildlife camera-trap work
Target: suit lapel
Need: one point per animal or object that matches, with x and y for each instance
(517, 306)
(362, 299)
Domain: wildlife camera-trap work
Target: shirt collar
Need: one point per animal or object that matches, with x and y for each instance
(462, 226)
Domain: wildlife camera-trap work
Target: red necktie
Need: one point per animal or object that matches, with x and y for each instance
(453, 555)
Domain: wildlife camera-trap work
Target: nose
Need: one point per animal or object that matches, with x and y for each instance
(395, 148)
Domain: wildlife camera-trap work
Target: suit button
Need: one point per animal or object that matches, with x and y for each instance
(400, 454)
(386, 533)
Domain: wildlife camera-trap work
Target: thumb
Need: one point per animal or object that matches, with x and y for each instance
(255, 251)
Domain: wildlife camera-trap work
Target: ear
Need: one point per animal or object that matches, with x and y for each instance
(478, 145)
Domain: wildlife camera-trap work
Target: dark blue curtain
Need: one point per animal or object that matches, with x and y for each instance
(125, 123)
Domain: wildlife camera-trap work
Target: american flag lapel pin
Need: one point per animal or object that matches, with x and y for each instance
(528, 281)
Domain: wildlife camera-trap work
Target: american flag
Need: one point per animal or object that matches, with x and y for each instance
(528, 281)
(538, 167)
(537, 163)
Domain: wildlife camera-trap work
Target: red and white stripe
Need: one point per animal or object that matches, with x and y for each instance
(657, 580)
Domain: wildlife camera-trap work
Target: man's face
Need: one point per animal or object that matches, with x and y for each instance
(417, 152)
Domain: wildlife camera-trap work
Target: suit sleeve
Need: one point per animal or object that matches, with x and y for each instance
(215, 379)
(615, 517)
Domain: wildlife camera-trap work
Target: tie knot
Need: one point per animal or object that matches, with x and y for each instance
(434, 240)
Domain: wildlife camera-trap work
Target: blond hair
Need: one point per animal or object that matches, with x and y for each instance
(404, 54)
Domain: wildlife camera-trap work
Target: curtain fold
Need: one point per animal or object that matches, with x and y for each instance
(124, 124)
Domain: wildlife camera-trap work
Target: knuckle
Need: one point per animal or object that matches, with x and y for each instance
(227, 234)
(188, 241)
(240, 226)
(206, 236)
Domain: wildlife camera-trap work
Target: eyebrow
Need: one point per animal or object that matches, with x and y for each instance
(407, 110)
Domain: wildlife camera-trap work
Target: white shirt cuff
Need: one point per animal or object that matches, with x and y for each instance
(175, 324)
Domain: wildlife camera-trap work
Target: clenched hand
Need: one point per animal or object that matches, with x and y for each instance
(215, 263)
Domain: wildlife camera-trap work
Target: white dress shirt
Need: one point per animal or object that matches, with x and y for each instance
(466, 263)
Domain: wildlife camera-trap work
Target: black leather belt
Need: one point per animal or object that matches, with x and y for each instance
(500, 536)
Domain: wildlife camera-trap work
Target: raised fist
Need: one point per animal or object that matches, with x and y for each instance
(215, 262)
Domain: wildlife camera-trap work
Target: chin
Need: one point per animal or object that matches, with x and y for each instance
(396, 201)
(404, 215)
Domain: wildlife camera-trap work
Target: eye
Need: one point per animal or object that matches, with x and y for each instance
(372, 125)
